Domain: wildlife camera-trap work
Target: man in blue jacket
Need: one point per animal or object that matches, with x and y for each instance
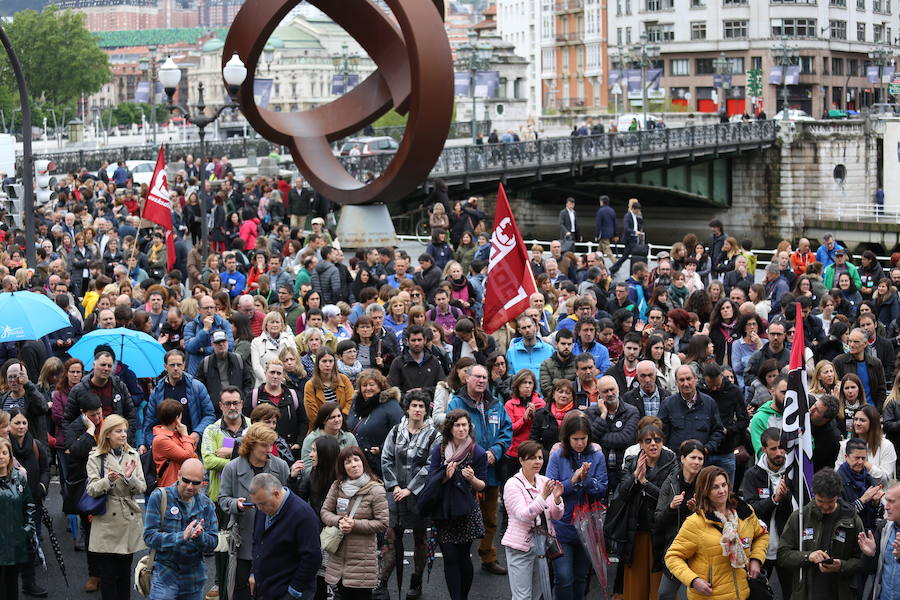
(605, 227)
(181, 536)
(493, 432)
(198, 333)
(691, 414)
(286, 557)
(190, 392)
(527, 351)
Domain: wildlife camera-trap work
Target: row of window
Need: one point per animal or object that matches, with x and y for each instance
(623, 7)
(737, 29)
(680, 67)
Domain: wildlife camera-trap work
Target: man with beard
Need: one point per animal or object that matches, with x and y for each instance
(561, 365)
(765, 488)
(769, 414)
(826, 435)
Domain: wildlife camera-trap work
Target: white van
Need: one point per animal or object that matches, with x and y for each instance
(8, 154)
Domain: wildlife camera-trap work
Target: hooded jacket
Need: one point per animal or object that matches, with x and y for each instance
(121, 399)
(758, 490)
(766, 416)
(326, 279)
(370, 423)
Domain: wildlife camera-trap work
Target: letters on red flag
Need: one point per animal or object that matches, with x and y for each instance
(158, 207)
(510, 281)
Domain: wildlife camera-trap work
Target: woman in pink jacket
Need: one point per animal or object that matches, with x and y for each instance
(532, 501)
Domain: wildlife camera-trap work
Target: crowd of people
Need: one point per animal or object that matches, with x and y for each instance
(303, 390)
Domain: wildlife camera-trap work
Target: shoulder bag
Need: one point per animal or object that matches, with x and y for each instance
(552, 548)
(89, 505)
(143, 572)
(331, 537)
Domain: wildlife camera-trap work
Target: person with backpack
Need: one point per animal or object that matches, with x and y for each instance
(404, 466)
(223, 368)
(443, 315)
(293, 423)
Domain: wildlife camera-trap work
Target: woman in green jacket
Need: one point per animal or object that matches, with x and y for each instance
(17, 518)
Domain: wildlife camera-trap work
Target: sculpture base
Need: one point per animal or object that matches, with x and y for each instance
(368, 226)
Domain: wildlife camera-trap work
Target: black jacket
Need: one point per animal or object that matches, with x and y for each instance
(702, 422)
(239, 375)
(845, 363)
(34, 456)
(370, 425)
(122, 404)
(299, 201)
(617, 372)
(615, 433)
(407, 374)
(764, 353)
(826, 444)
(757, 491)
(634, 398)
(667, 521)
(733, 413)
(544, 430)
(293, 422)
(36, 410)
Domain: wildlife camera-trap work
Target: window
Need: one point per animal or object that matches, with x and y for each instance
(877, 32)
(627, 7)
(564, 55)
(618, 8)
(736, 65)
(734, 2)
(619, 36)
(698, 3)
(735, 30)
(628, 35)
(837, 66)
(852, 67)
(860, 4)
(838, 3)
(807, 65)
(680, 66)
(800, 28)
(704, 66)
(838, 30)
(698, 30)
(793, 1)
(876, 5)
(860, 32)
(656, 5)
(756, 62)
(657, 32)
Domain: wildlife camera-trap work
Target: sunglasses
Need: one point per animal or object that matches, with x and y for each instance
(652, 440)
(187, 481)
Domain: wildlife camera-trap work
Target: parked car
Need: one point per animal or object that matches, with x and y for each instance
(370, 145)
(794, 114)
(141, 170)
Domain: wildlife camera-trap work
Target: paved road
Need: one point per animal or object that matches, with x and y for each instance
(485, 586)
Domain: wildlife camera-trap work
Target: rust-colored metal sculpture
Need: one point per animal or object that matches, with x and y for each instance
(414, 75)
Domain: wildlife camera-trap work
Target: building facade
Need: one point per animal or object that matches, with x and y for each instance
(518, 23)
(841, 52)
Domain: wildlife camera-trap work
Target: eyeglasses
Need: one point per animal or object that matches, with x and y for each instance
(652, 440)
(192, 482)
(416, 295)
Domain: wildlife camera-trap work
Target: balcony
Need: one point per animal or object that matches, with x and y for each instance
(572, 104)
(570, 37)
(568, 6)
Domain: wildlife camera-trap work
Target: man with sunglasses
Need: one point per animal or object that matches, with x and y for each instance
(180, 536)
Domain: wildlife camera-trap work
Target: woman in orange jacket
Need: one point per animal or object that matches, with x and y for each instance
(171, 443)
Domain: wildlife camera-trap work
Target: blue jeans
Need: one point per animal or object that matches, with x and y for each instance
(570, 572)
(166, 584)
(726, 461)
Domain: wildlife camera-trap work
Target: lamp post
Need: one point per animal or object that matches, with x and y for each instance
(473, 56)
(644, 53)
(721, 65)
(786, 57)
(882, 56)
(148, 66)
(345, 63)
(234, 74)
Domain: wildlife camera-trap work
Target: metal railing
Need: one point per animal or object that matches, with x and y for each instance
(554, 155)
(845, 211)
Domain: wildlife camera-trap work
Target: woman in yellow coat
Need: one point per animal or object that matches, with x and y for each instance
(720, 544)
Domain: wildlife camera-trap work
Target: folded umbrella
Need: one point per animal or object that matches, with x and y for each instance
(588, 521)
(29, 316)
(143, 354)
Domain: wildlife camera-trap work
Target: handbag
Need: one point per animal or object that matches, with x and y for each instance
(331, 537)
(759, 587)
(143, 571)
(90, 505)
(552, 548)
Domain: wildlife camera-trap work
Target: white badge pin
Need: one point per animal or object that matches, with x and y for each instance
(174, 510)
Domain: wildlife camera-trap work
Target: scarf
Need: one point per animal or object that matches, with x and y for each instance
(858, 481)
(726, 329)
(454, 454)
(560, 413)
(678, 295)
(731, 540)
(458, 284)
(351, 371)
(349, 487)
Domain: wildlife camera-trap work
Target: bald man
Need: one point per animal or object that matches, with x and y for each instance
(650, 391)
(613, 426)
(188, 529)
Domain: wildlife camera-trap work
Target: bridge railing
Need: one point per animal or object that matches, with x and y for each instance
(846, 211)
(576, 151)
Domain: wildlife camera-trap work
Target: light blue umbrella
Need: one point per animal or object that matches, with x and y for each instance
(143, 354)
(29, 316)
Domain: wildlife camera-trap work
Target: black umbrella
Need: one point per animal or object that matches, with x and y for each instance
(48, 525)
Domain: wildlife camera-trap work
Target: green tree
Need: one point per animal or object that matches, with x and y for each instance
(59, 56)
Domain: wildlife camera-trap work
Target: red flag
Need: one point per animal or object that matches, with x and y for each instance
(510, 281)
(158, 207)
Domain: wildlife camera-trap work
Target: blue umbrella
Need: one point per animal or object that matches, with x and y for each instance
(143, 354)
(29, 316)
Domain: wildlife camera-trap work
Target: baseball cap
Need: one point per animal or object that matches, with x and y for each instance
(219, 336)
(319, 220)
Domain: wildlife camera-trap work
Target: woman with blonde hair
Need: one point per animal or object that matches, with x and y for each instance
(824, 380)
(268, 344)
(294, 373)
(113, 470)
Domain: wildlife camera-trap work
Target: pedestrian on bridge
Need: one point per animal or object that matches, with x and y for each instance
(632, 234)
(605, 227)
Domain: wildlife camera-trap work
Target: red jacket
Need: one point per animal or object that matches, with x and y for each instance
(170, 445)
(521, 426)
